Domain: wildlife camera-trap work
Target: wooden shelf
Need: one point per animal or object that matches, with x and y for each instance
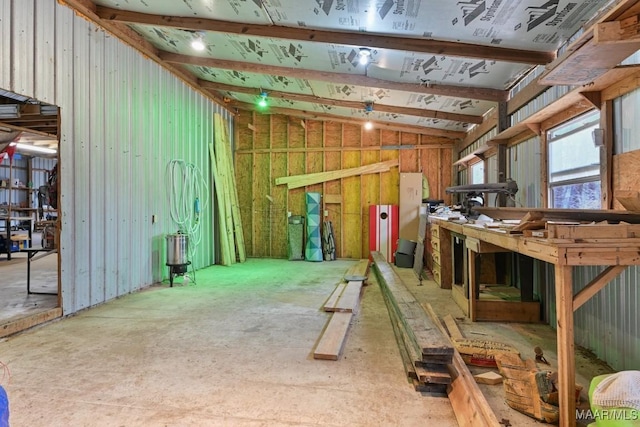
(577, 95)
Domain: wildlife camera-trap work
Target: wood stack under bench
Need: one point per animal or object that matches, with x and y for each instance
(425, 351)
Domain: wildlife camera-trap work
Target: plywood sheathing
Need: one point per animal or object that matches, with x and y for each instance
(270, 146)
(625, 173)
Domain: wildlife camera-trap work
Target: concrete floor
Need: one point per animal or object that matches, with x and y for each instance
(235, 348)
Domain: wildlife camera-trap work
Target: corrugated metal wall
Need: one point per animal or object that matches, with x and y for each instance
(524, 168)
(123, 119)
(609, 323)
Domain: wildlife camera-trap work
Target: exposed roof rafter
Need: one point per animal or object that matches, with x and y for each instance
(341, 78)
(448, 48)
(419, 112)
(422, 130)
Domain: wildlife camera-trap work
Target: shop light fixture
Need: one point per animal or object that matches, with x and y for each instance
(198, 42)
(365, 55)
(34, 148)
(262, 100)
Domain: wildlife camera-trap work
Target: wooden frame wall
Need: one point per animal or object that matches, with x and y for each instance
(272, 146)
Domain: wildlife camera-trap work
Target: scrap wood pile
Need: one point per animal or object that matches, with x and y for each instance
(565, 224)
(343, 304)
(425, 351)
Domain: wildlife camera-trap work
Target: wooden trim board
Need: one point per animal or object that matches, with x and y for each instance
(333, 337)
(19, 325)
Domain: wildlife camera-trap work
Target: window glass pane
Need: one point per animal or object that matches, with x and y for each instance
(477, 173)
(584, 195)
(626, 113)
(572, 153)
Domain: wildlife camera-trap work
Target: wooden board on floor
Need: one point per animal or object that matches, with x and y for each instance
(350, 297)
(489, 377)
(358, 271)
(330, 305)
(333, 337)
(452, 327)
(469, 404)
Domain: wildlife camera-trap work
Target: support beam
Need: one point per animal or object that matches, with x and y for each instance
(393, 126)
(419, 112)
(298, 181)
(599, 282)
(342, 78)
(595, 98)
(448, 48)
(566, 346)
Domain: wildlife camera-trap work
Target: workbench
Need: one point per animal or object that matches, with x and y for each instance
(614, 253)
(6, 230)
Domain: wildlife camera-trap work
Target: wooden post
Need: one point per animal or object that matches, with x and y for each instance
(565, 343)
(525, 273)
(544, 170)
(473, 283)
(606, 156)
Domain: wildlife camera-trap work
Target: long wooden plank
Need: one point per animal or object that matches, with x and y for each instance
(350, 298)
(330, 304)
(333, 337)
(235, 204)
(10, 328)
(452, 327)
(298, 181)
(563, 214)
(225, 252)
(224, 174)
(423, 335)
(469, 404)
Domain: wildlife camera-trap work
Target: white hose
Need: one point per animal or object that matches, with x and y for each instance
(188, 191)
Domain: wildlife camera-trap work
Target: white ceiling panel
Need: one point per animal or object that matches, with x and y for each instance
(248, 11)
(400, 98)
(525, 24)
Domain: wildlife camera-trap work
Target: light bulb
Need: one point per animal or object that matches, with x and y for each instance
(365, 55)
(368, 125)
(198, 44)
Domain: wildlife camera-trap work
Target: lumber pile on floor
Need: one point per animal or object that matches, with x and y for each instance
(424, 349)
(343, 304)
(469, 404)
(222, 170)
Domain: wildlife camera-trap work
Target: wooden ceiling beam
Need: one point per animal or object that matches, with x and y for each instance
(312, 115)
(338, 78)
(411, 44)
(419, 112)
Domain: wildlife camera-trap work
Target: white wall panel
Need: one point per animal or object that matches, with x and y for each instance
(123, 118)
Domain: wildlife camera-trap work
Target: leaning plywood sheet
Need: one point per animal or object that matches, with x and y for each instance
(333, 338)
(298, 181)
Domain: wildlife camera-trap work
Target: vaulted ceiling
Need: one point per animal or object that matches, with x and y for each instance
(436, 66)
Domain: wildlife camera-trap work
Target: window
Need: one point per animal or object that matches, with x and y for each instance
(574, 164)
(477, 173)
(626, 110)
